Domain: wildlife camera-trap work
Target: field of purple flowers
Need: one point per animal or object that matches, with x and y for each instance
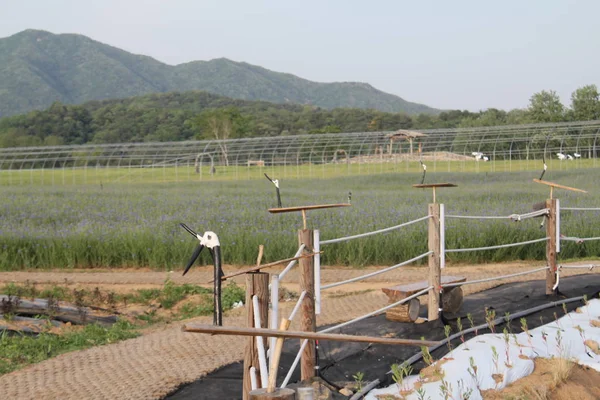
(121, 224)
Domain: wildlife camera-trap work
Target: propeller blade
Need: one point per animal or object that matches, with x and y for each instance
(267, 176)
(194, 258)
(190, 230)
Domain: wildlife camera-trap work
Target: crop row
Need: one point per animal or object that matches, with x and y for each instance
(117, 225)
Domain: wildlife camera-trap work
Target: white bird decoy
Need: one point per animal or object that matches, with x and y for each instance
(561, 156)
(576, 155)
(424, 171)
(544, 170)
(209, 240)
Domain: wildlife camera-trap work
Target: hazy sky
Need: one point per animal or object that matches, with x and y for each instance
(471, 54)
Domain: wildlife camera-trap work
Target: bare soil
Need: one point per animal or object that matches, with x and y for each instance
(580, 383)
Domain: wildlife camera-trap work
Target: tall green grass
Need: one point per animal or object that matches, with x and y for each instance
(19, 351)
(122, 224)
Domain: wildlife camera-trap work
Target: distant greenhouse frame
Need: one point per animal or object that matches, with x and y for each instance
(513, 147)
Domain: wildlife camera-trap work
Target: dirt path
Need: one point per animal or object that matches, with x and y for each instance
(151, 366)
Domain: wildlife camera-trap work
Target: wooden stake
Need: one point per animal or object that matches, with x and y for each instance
(308, 321)
(551, 246)
(280, 394)
(276, 356)
(256, 284)
(434, 262)
(303, 219)
(261, 249)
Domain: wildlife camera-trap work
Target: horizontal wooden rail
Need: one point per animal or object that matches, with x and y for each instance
(240, 331)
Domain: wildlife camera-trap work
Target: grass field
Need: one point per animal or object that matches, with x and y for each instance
(137, 224)
(186, 173)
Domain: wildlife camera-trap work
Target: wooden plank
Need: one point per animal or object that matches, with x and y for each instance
(304, 208)
(308, 320)
(433, 185)
(27, 325)
(401, 291)
(556, 185)
(337, 337)
(279, 394)
(59, 311)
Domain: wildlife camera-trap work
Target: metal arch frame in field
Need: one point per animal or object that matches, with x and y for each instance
(210, 240)
(504, 143)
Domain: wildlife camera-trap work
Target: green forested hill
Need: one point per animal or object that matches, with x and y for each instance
(179, 116)
(38, 68)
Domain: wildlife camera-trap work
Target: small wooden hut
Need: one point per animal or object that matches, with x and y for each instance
(403, 134)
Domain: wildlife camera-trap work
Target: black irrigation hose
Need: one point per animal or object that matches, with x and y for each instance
(360, 394)
(320, 372)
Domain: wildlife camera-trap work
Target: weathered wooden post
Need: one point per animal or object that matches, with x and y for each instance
(434, 262)
(553, 231)
(551, 243)
(308, 321)
(279, 394)
(307, 283)
(436, 245)
(257, 283)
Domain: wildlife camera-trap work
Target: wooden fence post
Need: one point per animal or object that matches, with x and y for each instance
(434, 262)
(257, 283)
(551, 246)
(279, 394)
(308, 322)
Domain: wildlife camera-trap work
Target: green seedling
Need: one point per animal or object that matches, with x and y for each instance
(359, 380)
(447, 330)
(472, 322)
(490, 316)
(506, 336)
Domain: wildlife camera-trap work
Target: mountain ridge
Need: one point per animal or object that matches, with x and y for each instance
(39, 67)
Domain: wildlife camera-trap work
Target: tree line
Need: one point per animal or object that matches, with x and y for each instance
(181, 116)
